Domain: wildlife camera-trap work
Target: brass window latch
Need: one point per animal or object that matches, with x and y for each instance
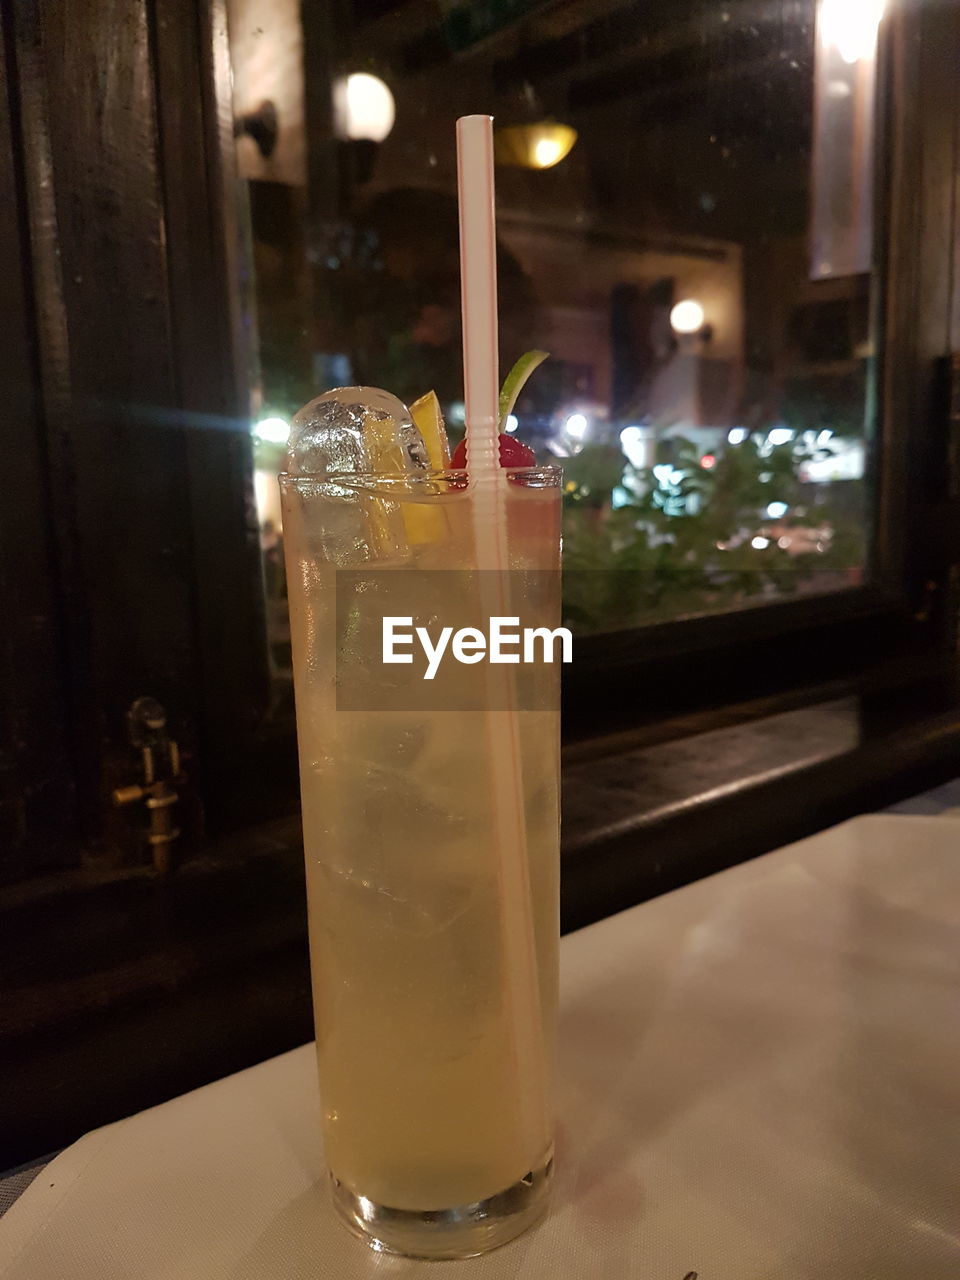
(161, 774)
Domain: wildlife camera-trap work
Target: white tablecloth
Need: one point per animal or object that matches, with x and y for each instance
(760, 1080)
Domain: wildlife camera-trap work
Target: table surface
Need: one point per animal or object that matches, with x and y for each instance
(759, 1081)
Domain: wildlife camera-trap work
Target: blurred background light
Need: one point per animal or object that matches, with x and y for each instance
(780, 435)
(667, 475)
(547, 152)
(851, 26)
(845, 72)
(847, 461)
(272, 430)
(687, 317)
(511, 423)
(363, 108)
(639, 446)
(534, 146)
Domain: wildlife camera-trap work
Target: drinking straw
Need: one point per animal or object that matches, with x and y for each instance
(487, 487)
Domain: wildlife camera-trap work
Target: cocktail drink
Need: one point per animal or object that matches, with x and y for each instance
(436, 1102)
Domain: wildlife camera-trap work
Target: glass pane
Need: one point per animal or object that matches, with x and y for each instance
(685, 223)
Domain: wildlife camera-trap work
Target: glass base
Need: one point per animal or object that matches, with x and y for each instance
(461, 1232)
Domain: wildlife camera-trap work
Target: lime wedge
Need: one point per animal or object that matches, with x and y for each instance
(429, 420)
(516, 380)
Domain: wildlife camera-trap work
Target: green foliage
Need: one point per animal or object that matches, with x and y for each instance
(682, 544)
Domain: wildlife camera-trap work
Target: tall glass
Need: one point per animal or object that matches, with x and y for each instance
(421, 1083)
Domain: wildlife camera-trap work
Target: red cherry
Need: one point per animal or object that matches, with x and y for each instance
(513, 453)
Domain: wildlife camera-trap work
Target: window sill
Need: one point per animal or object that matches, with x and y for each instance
(158, 985)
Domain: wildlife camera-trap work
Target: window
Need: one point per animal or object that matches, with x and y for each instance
(685, 221)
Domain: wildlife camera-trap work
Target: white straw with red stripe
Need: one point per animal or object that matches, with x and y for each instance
(487, 489)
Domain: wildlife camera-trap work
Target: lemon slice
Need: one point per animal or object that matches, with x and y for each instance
(429, 420)
(427, 523)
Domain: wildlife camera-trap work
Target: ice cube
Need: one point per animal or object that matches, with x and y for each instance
(417, 904)
(355, 429)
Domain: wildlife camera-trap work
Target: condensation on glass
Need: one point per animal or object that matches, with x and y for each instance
(685, 222)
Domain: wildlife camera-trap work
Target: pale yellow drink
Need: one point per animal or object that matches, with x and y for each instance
(421, 1099)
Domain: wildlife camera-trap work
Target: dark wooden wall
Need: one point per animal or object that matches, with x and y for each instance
(37, 794)
(130, 547)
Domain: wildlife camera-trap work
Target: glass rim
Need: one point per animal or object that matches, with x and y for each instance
(365, 478)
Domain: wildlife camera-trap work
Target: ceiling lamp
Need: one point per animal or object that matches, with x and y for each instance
(687, 317)
(363, 108)
(533, 146)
